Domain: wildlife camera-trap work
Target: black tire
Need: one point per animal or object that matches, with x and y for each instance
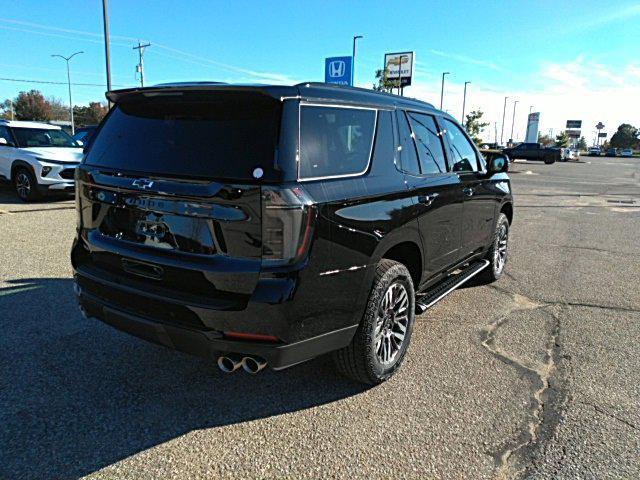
(549, 159)
(496, 266)
(25, 185)
(360, 360)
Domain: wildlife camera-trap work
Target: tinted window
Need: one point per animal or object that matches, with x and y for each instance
(43, 137)
(408, 155)
(222, 135)
(461, 152)
(428, 143)
(335, 141)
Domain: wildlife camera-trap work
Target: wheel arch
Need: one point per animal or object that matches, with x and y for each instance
(21, 164)
(507, 209)
(409, 254)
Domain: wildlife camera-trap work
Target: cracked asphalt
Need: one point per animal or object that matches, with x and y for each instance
(535, 376)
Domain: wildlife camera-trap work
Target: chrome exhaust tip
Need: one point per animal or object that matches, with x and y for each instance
(229, 363)
(253, 365)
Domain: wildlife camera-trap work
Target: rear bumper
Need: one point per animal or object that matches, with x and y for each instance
(211, 343)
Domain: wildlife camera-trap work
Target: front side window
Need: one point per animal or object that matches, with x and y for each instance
(429, 143)
(461, 152)
(43, 137)
(335, 141)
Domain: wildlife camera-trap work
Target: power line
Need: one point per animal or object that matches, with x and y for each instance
(55, 83)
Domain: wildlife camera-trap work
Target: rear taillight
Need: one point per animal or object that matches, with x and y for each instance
(288, 217)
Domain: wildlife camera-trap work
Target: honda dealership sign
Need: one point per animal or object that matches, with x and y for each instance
(532, 127)
(399, 66)
(338, 70)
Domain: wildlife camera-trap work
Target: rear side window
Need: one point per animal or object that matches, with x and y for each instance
(335, 141)
(216, 135)
(408, 155)
(428, 143)
(461, 151)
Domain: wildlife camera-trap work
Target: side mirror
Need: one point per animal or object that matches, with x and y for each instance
(80, 143)
(3, 141)
(497, 163)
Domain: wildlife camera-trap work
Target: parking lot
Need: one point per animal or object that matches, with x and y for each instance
(536, 375)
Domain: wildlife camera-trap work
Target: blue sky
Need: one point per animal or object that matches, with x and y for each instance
(564, 58)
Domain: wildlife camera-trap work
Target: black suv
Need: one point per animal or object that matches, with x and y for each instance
(266, 225)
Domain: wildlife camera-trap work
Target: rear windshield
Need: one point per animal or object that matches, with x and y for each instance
(225, 135)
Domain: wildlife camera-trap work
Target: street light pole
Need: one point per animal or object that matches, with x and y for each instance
(513, 118)
(353, 59)
(504, 109)
(107, 50)
(442, 88)
(73, 129)
(464, 100)
(530, 108)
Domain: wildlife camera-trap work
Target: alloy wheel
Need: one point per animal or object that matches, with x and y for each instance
(391, 323)
(500, 254)
(23, 185)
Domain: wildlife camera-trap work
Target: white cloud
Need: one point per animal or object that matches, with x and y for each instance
(576, 90)
(466, 59)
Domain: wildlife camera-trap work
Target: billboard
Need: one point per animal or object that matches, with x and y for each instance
(338, 70)
(532, 127)
(602, 135)
(574, 124)
(399, 65)
(573, 133)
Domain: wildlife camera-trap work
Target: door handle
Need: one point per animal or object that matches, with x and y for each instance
(468, 191)
(427, 199)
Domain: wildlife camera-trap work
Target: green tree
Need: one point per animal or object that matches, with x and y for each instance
(90, 115)
(384, 84)
(545, 140)
(32, 106)
(582, 144)
(562, 140)
(474, 125)
(625, 137)
(5, 109)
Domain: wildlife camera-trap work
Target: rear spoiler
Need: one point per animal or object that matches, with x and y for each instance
(176, 89)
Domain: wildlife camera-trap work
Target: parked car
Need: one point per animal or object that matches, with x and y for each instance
(626, 152)
(611, 152)
(266, 225)
(37, 158)
(570, 154)
(534, 151)
(594, 152)
(84, 134)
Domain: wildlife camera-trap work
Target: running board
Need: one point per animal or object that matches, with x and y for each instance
(440, 290)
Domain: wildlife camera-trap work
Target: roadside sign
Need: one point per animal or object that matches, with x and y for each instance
(532, 127)
(338, 70)
(574, 124)
(600, 126)
(602, 135)
(399, 65)
(573, 133)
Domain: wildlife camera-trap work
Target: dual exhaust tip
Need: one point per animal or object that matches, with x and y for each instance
(250, 364)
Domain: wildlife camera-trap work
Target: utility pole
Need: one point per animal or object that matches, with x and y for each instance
(140, 66)
(530, 108)
(513, 118)
(73, 128)
(442, 88)
(11, 108)
(504, 109)
(107, 51)
(353, 59)
(464, 100)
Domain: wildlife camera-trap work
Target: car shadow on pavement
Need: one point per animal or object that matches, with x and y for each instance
(8, 197)
(77, 395)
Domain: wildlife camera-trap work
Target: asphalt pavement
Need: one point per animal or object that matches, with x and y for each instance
(535, 376)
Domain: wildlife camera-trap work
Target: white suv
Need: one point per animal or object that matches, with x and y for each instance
(37, 158)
